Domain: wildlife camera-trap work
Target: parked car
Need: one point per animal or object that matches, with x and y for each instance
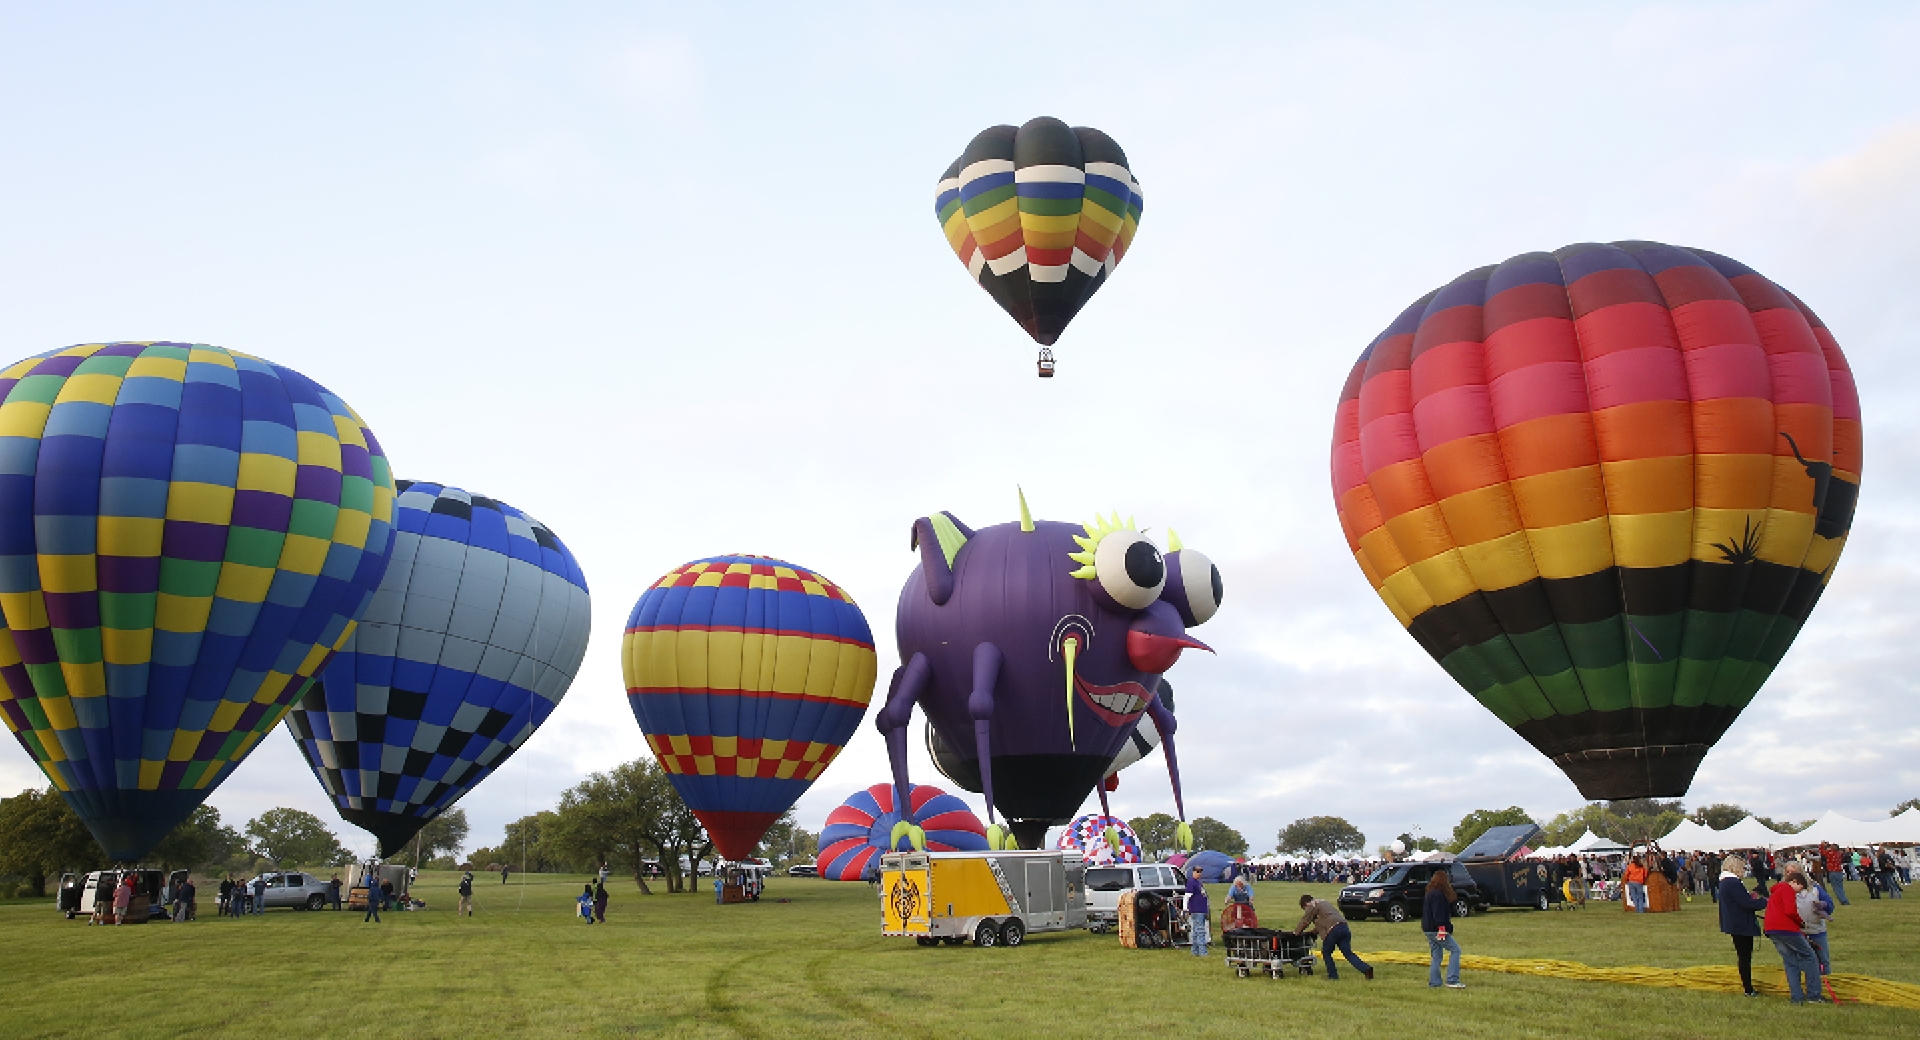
(1396, 890)
(1105, 884)
(80, 893)
(299, 891)
(803, 870)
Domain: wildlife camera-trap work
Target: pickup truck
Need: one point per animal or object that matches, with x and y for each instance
(296, 890)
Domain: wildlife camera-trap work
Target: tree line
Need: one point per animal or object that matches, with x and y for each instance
(41, 838)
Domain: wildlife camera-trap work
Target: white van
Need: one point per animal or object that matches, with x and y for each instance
(1106, 883)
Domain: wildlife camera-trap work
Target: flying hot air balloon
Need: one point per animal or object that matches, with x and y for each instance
(186, 536)
(747, 674)
(467, 647)
(1603, 487)
(1040, 214)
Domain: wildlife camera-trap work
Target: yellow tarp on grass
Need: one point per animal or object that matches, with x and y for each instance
(1715, 979)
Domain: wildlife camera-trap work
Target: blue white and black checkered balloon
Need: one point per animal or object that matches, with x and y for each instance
(470, 642)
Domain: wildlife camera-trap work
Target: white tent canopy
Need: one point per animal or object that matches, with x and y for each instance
(1693, 837)
(1591, 844)
(1832, 828)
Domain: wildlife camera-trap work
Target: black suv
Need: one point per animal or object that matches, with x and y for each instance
(1396, 890)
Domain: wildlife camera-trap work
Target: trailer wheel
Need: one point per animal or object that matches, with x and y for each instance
(926, 940)
(1014, 933)
(1540, 901)
(988, 934)
(954, 940)
(1462, 908)
(1397, 913)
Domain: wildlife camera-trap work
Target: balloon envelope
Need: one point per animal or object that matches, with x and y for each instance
(1101, 839)
(1603, 487)
(1040, 214)
(861, 829)
(747, 674)
(470, 642)
(186, 535)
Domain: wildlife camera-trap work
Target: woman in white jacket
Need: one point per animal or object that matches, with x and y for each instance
(1815, 907)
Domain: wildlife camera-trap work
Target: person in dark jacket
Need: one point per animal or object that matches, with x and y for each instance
(1436, 919)
(600, 902)
(1737, 907)
(372, 879)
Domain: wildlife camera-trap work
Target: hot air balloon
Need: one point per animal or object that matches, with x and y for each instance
(747, 674)
(467, 647)
(866, 826)
(1040, 215)
(1101, 839)
(1603, 487)
(186, 535)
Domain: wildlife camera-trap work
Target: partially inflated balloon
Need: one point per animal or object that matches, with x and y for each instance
(1603, 487)
(186, 536)
(471, 641)
(1040, 215)
(747, 675)
(867, 826)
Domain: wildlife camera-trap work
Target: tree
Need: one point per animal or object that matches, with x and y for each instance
(623, 816)
(1326, 834)
(201, 839)
(528, 846)
(1156, 834)
(41, 836)
(1479, 821)
(1719, 816)
(291, 837)
(1911, 803)
(444, 834)
(1784, 826)
(787, 842)
(1420, 844)
(1209, 833)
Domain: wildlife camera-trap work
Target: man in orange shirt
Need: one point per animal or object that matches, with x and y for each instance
(1836, 871)
(1635, 877)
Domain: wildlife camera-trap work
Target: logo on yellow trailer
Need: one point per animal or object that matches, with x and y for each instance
(905, 901)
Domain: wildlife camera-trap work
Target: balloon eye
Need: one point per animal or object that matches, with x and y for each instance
(1194, 586)
(1130, 569)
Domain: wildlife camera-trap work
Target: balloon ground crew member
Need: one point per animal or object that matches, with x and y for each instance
(1326, 920)
(372, 879)
(466, 894)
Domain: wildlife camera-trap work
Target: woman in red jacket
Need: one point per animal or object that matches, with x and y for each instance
(1782, 924)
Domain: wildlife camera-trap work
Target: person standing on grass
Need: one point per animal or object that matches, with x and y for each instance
(1325, 920)
(371, 876)
(1436, 919)
(122, 899)
(333, 892)
(1815, 908)
(183, 901)
(226, 893)
(260, 894)
(1635, 878)
(1198, 913)
(1836, 869)
(466, 895)
(586, 902)
(1783, 926)
(600, 902)
(503, 874)
(1737, 907)
(1890, 875)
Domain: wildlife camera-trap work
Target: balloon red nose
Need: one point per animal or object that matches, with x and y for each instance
(1155, 653)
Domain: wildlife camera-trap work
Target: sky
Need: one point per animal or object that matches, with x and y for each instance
(667, 277)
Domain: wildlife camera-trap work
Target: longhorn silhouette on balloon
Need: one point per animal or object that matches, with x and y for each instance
(1036, 649)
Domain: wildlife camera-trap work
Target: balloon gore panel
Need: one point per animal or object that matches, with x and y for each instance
(861, 830)
(1603, 487)
(186, 536)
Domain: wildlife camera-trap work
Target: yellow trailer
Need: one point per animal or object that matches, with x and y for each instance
(993, 898)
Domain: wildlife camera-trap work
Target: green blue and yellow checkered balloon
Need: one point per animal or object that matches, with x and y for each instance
(187, 534)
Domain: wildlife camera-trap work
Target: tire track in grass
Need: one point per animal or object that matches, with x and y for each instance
(721, 1006)
(814, 971)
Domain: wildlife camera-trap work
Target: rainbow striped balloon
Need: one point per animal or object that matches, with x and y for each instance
(186, 536)
(748, 675)
(860, 830)
(1040, 215)
(1603, 487)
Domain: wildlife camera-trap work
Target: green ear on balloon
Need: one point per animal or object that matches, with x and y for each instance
(1112, 836)
(1000, 839)
(916, 837)
(1183, 836)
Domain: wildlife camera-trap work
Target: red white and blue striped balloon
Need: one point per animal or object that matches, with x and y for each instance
(1089, 834)
(860, 830)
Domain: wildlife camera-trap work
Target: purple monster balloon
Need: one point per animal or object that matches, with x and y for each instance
(1035, 649)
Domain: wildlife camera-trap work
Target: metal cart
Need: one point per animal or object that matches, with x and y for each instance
(1263, 949)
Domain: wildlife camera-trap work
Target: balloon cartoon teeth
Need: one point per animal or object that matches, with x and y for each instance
(1115, 705)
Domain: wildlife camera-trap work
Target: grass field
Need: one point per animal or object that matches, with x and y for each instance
(816, 966)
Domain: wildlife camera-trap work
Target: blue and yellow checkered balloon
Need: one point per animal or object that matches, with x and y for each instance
(186, 536)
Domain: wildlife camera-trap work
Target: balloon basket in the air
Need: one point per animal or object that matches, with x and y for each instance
(1045, 364)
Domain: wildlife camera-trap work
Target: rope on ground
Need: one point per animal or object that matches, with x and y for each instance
(1864, 989)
